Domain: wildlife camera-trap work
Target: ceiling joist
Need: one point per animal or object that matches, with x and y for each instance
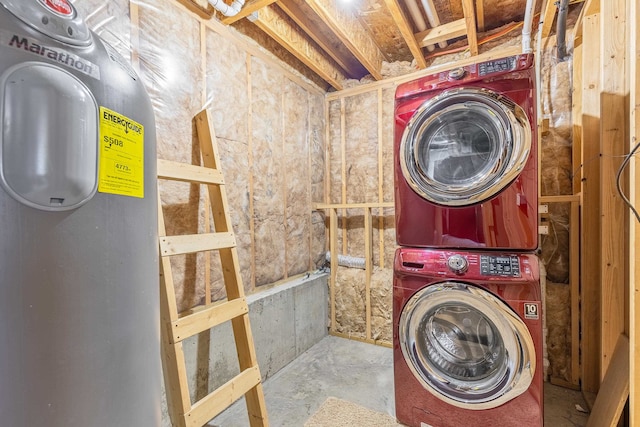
(442, 33)
(284, 31)
(407, 32)
(470, 20)
(347, 28)
(480, 15)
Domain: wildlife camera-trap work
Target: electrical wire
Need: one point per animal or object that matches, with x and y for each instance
(624, 164)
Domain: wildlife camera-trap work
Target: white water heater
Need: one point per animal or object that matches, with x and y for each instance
(79, 302)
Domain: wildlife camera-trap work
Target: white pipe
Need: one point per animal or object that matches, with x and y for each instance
(432, 17)
(526, 28)
(414, 11)
(225, 9)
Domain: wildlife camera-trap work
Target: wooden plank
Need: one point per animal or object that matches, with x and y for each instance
(191, 243)
(343, 171)
(442, 33)
(590, 239)
(613, 124)
(548, 15)
(634, 227)
(392, 82)
(221, 398)
(328, 44)
(256, 406)
(614, 390)
(591, 7)
(574, 283)
(333, 250)
(380, 180)
(207, 318)
(368, 267)
(280, 27)
(576, 116)
(352, 205)
(381, 343)
(480, 14)
(406, 31)
(470, 21)
(250, 7)
(347, 28)
(201, 11)
(184, 172)
(252, 219)
(567, 198)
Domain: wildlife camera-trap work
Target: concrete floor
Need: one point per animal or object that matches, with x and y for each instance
(362, 374)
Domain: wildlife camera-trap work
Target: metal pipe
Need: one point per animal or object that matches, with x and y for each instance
(528, 23)
(432, 17)
(561, 29)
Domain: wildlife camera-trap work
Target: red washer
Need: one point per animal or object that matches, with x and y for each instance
(466, 158)
(467, 339)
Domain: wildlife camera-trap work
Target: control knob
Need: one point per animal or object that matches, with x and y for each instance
(458, 264)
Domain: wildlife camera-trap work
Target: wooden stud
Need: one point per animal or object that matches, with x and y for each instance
(480, 15)
(380, 180)
(368, 267)
(343, 172)
(442, 33)
(349, 31)
(548, 15)
(252, 219)
(613, 123)
(406, 31)
(470, 20)
(615, 388)
(634, 227)
(590, 244)
(134, 17)
(576, 115)
(574, 283)
(285, 198)
(333, 250)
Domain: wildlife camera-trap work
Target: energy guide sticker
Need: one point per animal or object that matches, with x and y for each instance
(121, 155)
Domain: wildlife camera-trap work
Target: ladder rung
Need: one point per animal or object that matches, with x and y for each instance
(217, 401)
(176, 171)
(207, 318)
(190, 243)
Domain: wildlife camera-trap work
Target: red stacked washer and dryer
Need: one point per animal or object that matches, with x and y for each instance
(466, 293)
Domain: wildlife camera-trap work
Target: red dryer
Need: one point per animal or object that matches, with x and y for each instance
(466, 158)
(467, 339)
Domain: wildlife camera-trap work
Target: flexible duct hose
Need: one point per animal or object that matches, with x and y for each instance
(348, 261)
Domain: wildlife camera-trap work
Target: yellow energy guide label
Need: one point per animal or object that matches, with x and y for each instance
(121, 155)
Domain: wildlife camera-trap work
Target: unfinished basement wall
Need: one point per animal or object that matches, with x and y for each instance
(360, 169)
(269, 124)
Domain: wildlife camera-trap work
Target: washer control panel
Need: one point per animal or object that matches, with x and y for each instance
(458, 264)
(502, 266)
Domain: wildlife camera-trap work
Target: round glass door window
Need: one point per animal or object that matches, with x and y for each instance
(467, 347)
(464, 146)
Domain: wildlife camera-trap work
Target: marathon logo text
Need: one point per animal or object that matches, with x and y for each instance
(60, 56)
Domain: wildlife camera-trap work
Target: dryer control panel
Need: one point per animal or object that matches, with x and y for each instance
(503, 266)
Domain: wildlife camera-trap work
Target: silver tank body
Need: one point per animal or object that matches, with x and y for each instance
(79, 303)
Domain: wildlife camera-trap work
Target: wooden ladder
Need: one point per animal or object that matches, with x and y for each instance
(177, 327)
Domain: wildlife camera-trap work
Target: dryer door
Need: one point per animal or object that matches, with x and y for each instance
(466, 346)
(464, 146)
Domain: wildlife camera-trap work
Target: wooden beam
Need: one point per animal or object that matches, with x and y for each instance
(591, 7)
(442, 33)
(590, 248)
(613, 127)
(634, 227)
(348, 29)
(249, 8)
(549, 13)
(406, 31)
(308, 25)
(480, 14)
(615, 388)
(470, 21)
(281, 29)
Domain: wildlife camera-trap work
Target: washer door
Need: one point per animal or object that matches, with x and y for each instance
(464, 146)
(465, 346)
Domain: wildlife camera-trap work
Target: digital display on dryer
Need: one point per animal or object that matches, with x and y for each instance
(499, 65)
(501, 266)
